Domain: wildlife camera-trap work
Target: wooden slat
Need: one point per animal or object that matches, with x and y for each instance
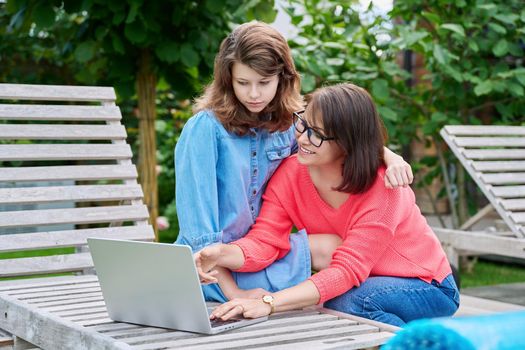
(77, 306)
(490, 141)
(115, 327)
(45, 264)
(73, 172)
(80, 193)
(72, 238)
(73, 216)
(59, 289)
(283, 335)
(83, 318)
(500, 166)
(495, 154)
(504, 178)
(49, 331)
(10, 286)
(62, 132)
(56, 92)
(272, 326)
(54, 296)
(513, 204)
(358, 341)
(65, 152)
(59, 112)
(484, 130)
(90, 323)
(83, 312)
(76, 302)
(143, 331)
(508, 191)
(481, 242)
(518, 217)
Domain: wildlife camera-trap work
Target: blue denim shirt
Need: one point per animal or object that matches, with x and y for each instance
(221, 177)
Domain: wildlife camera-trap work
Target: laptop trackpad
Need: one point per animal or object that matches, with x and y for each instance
(218, 322)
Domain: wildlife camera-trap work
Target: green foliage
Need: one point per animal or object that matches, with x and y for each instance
(335, 44)
(470, 54)
(473, 54)
(112, 43)
(105, 39)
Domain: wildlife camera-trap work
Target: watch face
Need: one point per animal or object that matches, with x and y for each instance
(267, 298)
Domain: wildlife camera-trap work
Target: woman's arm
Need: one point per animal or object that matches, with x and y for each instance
(302, 295)
(398, 172)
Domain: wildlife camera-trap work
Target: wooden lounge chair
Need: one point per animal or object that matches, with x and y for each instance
(78, 161)
(74, 180)
(494, 156)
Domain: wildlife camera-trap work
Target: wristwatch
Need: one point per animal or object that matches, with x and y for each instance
(268, 299)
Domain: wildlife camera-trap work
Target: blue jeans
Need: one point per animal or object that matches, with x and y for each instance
(397, 300)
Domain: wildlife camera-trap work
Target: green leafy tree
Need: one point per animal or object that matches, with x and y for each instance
(335, 44)
(472, 64)
(135, 45)
(472, 54)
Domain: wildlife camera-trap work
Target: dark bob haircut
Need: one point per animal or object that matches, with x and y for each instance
(350, 116)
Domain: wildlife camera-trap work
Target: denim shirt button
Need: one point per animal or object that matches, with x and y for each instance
(254, 171)
(254, 192)
(254, 154)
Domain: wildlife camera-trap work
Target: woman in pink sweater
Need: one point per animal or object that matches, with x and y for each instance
(384, 261)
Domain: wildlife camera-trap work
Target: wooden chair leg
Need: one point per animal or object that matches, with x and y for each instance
(6, 341)
(21, 344)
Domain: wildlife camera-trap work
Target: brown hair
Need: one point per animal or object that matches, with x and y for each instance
(350, 116)
(263, 49)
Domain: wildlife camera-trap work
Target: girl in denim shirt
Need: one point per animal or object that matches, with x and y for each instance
(230, 148)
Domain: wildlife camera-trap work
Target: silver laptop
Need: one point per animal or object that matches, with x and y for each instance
(154, 284)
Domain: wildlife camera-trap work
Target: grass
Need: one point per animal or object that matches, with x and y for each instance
(486, 273)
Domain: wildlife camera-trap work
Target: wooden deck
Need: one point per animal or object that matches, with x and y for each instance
(471, 306)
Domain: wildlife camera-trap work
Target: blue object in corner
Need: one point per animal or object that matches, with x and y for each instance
(505, 331)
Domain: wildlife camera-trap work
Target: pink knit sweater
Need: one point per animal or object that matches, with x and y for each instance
(383, 232)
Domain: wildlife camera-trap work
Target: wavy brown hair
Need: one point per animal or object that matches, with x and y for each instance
(350, 116)
(265, 50)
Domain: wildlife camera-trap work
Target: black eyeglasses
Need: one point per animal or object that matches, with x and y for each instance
(314, 136)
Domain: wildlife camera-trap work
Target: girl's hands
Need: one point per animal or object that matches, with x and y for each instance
(205, 260)
(248, 308)
(398, 173)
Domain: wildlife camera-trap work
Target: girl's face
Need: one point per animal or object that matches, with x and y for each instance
(253, 90)
(328, 153)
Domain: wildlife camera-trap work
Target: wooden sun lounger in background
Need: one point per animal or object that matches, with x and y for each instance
(78, 160)
(494, 156)
(78, 164)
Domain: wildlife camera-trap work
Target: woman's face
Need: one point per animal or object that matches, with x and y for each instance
(253, 90)
(328, 153)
